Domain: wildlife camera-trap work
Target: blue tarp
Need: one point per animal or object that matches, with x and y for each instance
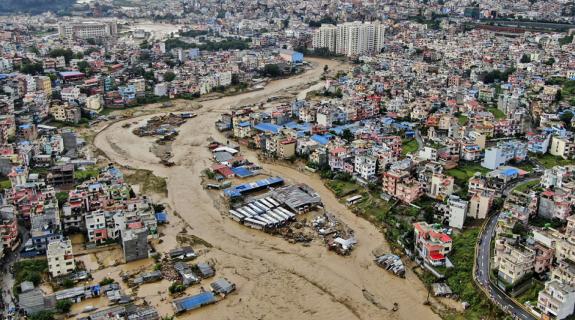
(244, 124)
(196, 301)
(267, 127)
(161, 217)
(242, 172)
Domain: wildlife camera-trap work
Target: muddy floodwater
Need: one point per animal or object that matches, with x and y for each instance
(275, 279)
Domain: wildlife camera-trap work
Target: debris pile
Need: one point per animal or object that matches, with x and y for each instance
(337, 236)
(391, 263)
(163, 125)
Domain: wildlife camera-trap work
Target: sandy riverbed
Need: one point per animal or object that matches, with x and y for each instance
(275, 279)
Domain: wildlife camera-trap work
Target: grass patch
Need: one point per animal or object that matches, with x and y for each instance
(460, 279)
(526, 186)
(409, 146)
(532, 293)
(462, 119)
(341, 188)
(465, 171)
(29, 270)
(5, 184)
(88, 173)
(148, 181)
(498, 114)
(549, 161)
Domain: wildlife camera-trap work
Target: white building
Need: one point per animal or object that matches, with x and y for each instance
(87, 29)
(60, 258)
(70, 94)
(351, 38)
(557, 299)
(365, 166)
(161, 89)
(428, 153)
(479, 205)
(324, 37)
(503, 153)
(455, 210)
(94, 103)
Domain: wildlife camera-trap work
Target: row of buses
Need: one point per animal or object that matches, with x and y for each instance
(264, 213)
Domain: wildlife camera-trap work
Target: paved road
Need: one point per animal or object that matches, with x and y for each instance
(483, 260)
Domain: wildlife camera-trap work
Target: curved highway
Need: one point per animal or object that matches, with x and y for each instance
(482, 276)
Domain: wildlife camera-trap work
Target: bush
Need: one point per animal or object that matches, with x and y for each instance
(106, 281)
(64, 306)
(176, 287)
(42, 315)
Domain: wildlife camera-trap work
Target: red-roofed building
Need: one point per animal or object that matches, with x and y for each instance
(431, 244)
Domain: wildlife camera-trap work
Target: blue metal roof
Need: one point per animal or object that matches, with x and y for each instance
(244, 124)
(242, 172)
(248, 187)
(510, 171)
(197, 300)
(267, 127)
(321, 139)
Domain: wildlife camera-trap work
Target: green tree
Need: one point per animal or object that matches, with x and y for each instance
(272, 70)
(169, 76)
(566, 117)
(525, 58)
(62, 197)
(42, 315)
(67, 53)
(347, 135)
(64, 306)
(84, 67)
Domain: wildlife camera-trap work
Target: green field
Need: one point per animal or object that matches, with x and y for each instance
(498, 114)
(527, 185)
(550, 161)
(409, 146)
(465, 171)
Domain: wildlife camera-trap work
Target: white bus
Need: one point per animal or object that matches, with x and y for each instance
(353, 200)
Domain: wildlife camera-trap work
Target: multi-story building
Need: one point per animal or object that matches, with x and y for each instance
(557, 299)
(60, 258)
(479, 204)
(325, 37)
(87, 29)
(441, 186)
(503, 153)
(8, 229)
(135, 244)
(562, 147)
(514, 262)
(431, 243)
(365, 166)
(401, 185)
(96, 227)
(351, 38)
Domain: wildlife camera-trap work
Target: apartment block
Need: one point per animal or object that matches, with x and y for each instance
(60, 258)
(557, 299)
(514, 262)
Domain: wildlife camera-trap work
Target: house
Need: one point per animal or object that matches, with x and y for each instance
(60, 258)
(441, 186)
(480, 204)
(223, 286)
(96, 227)
(70, 94)
(66, 113)
(8, 229)
(135, 244)
(184, 253)
(503, 153)
(400, 184)
(431, 243)
(365, 166)
(562, 147)
(186, 273)
(557, 300)
(456, 211)
(513, 262)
